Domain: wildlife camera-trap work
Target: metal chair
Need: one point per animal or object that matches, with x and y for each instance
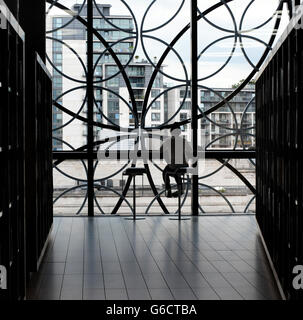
(179, 172)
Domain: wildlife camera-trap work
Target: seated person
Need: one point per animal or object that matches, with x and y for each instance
(177, 153)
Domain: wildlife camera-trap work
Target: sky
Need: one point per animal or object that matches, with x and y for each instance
(216, 55)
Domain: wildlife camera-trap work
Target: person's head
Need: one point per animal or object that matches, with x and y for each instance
(175, 132)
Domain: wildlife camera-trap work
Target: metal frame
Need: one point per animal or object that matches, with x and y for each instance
(88, 153)
(194, 104)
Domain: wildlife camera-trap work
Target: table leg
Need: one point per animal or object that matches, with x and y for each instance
(179, 205)
(134, 203)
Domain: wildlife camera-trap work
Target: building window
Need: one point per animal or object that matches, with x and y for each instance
(186, 105)
(139, 105)
(157, 83)
(113, 106)
(137, 82)
(155, 116)
(57, 22)
(112, 95)
(124, 58)
(57, 82)
(122, 47)
(57, 46)
(111, 70)
(114, 82)
(136, 71)
(114, 117)
(56, 73)
(57, 34)
(96, 58)
(98, 117)
(139, 93)
(183, 116)
(56, 93)
(114, 35)
(123, 23)
(97, 46)
(97, 23)
(156, 105)
(98, 71)
(98, 95)
(182, 94)
(58, 58)
(155, 93)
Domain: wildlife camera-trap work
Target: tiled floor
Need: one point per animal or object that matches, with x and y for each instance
(111, 258)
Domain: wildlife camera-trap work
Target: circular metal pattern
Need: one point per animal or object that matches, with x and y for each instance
(141, 34)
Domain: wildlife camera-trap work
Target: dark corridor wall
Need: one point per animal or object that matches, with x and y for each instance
(279, 96)
(25, 145)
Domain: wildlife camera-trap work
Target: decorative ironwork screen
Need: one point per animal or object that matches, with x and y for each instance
(103, 89)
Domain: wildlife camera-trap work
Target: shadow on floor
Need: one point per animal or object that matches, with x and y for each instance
(205, 258)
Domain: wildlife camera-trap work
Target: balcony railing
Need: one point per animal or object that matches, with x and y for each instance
(135, 73)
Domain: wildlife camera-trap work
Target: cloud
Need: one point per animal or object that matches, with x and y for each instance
(163, 10)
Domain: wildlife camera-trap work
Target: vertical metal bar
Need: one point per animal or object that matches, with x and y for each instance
(179, 199)
(194, 103)
(134, 196)
(90, 109)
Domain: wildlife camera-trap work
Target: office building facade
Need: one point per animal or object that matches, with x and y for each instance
(230, 126)
(112, 98)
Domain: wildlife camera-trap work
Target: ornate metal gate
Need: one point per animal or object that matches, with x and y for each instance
(110, 44)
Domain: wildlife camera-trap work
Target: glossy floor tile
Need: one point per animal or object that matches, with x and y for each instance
(205, 258)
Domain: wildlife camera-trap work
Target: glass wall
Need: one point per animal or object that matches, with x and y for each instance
(110, 80)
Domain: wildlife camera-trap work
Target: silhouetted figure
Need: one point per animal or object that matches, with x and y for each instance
(177, 153)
